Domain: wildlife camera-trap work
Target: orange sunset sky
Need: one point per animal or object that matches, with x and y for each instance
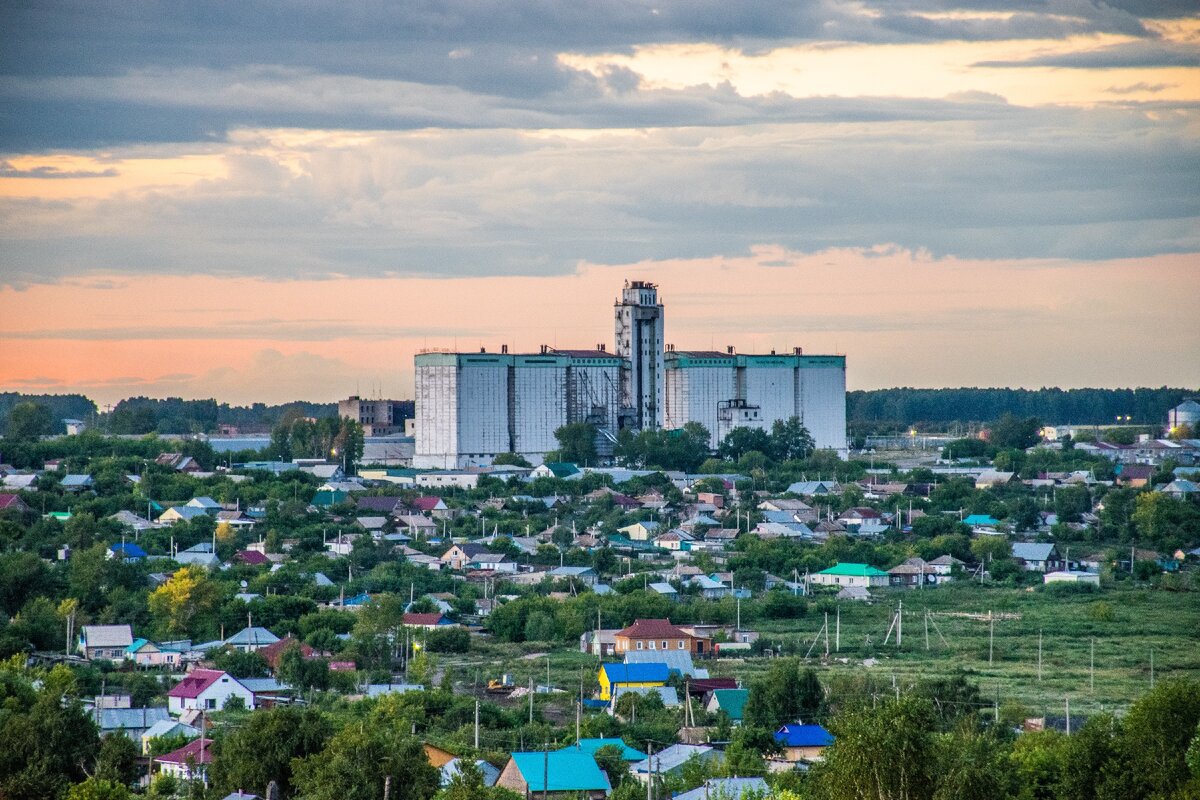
(252, 208)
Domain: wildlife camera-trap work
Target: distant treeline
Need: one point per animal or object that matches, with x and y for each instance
(174, 415)
(61, 406)
(881, 408)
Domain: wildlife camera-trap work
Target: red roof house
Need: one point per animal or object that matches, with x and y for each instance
(431, 620)
(189, 761)
(252, 558)
(273, 651)
(12, 502)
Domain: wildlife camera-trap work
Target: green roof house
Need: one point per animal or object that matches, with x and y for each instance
(570, 773)
(860, 575)
(731, 701)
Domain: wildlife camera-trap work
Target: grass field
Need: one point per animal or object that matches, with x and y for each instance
(1125, 624)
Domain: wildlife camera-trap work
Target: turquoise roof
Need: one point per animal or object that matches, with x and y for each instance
(856, 570)
(569, 770)
(732, 702)
(981, 519)
(590, 746)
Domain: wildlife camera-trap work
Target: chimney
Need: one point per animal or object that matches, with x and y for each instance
(729, 349)
(545, 348)
(797, 351)
(483, 349)
(504, 349)
(772, 351)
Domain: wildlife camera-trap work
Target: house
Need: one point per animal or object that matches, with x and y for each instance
(145, 653)
(105, 642)
(207, 690)
(326, 498)
(76, 483)
(665, 589)
(991, 477)
(180, 514)
(460, 555)
(641, 531)
(560, 774)
(13, 502)
(343, 544)
(554, 469)
(657, 634)
(206, 504)
(843, 574)
(855, 593)
(200, 555)
(912, 573)
(814, 488)
(452, 768)
(271, 652)
(130, 722)
(251, 558)
(709, 589)
(679, 662)
(727, 789)
(434, 506)
(189, 762)
(1037, 556)
(130, 520)
(590, 746)
(599, 643)
(126, 551)
(585, 575)
(677, 540)
(249, 640)
(944, 566)
(670, 760)
(1181, 488)
(855, 518)
(435, 619)
(730, 701)
(1072, 576)
(178, 462)
(977, 521)
(803, 742)
(166, 727)
(493, 562)
(612, 676)
(1134, 476)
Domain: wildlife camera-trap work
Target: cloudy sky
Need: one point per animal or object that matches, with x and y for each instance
(270, 201)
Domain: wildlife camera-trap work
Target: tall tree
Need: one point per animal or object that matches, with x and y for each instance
(887, 752)
(261, 750)
(790, 440)
(576, 443)
(28, 421)
(358, 761)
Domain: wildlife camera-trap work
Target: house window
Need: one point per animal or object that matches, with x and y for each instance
(681, 644)
(210, 703)
(639, 647)
(652, 643)
(664, 644)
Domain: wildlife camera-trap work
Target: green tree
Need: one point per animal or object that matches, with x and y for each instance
(1156, 734)
(96, 788)
(973, 764)
(611, 759)
(356, 762)
(790, 440)
(27, 421)
(118, 760)
(742, 440)
(262, 748)
(577, 443)
(887, 752)
(1012, 432)
(241, 664)
(785, 694)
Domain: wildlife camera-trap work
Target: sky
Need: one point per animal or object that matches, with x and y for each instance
(269, 201)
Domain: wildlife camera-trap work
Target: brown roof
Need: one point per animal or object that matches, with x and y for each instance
(652, 629)
(274, 650)
(432, 618)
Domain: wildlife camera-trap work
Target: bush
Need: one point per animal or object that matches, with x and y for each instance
(449, 640)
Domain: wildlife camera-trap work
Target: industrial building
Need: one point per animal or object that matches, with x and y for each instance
(471, 407)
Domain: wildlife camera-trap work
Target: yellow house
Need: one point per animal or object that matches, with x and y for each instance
(631, 675)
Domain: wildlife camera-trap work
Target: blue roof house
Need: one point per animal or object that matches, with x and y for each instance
(560, 774)
(803, 742)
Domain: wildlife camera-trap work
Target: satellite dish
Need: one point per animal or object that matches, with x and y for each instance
(244, 584)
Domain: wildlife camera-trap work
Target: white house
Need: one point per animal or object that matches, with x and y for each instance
(207, 690)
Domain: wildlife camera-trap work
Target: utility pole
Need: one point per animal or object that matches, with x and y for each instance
(900, 625)
(545, 770)
(476, 724)
(1092, 668)
(1151, 667)
(826, 626)
(387, 787)
(1068, 704)
(991, 636)
(837, 637)
(649, 770)
(531, 699)
(578, 720)
(1039, 654)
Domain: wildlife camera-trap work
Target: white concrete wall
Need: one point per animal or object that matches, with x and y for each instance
(540, 405)
(823, 405)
